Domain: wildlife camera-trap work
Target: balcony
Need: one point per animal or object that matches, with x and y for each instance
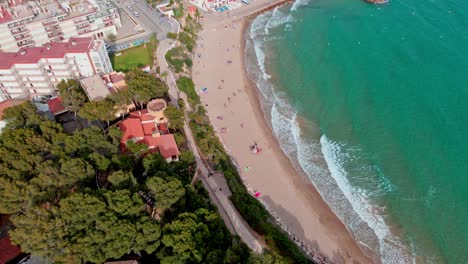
(81, 32)
(52, 28)
(19, 30)
(55, 34)
(83, 26)
(25, 43)
(107, 19)
(17, 24)
(49, 23)
(80, 21)
(57, 39)
(23, 37)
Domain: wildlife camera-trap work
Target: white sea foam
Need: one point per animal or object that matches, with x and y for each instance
(391, 249)
(260, 58)
(351, 204)
(278, 18)
(299, 3)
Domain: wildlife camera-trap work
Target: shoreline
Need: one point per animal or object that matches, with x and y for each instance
(302, 212)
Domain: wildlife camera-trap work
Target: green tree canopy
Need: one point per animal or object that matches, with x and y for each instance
(121, 100)
(166, 193)
(22, 115)
(72, 94)
(41, 164)
(175, 116)
(98, 110)
(143, 86)
(121, 179)
(87, 228)
(185, 239)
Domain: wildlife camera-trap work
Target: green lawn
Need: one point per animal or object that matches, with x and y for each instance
(131, 58)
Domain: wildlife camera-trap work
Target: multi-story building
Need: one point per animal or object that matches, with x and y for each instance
(27, 23)
(37, 70)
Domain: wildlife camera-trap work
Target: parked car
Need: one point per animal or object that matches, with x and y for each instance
(136, 14)
(130, 8)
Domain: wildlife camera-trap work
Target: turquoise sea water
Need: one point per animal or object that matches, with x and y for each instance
(371, 101)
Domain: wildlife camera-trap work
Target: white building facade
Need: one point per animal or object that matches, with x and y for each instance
(35, 22)
(37, 70)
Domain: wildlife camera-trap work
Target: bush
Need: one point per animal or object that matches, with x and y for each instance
(176, 58)
(187, 40)
(187, 86)
(172, 35)
(188, 62)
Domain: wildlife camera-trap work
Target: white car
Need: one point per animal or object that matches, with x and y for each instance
(129, 8)
(136, 14)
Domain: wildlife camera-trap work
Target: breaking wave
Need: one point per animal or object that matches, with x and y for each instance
(323, 160)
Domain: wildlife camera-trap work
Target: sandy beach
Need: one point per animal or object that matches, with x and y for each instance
(233, 107)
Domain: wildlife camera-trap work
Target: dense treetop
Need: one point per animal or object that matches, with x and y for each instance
(74, 198)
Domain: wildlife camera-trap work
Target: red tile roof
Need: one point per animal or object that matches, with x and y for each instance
(116, 77)
(146, 117)
(148, 128)
(49, 50)
(163, 127)
(167, 146)
(151, 141)
(192, 9)
(8, 251)
(133, 127)
(55, 105)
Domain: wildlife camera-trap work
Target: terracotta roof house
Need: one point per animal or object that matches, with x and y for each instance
(55, 106)
(116, 80)
(150, 128)
(192, 11)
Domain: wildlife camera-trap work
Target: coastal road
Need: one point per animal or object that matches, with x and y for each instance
(149, 19)
(234, 221)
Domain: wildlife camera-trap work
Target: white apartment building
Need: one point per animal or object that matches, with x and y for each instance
(212, 5)
(27, 23)
(37, 70)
